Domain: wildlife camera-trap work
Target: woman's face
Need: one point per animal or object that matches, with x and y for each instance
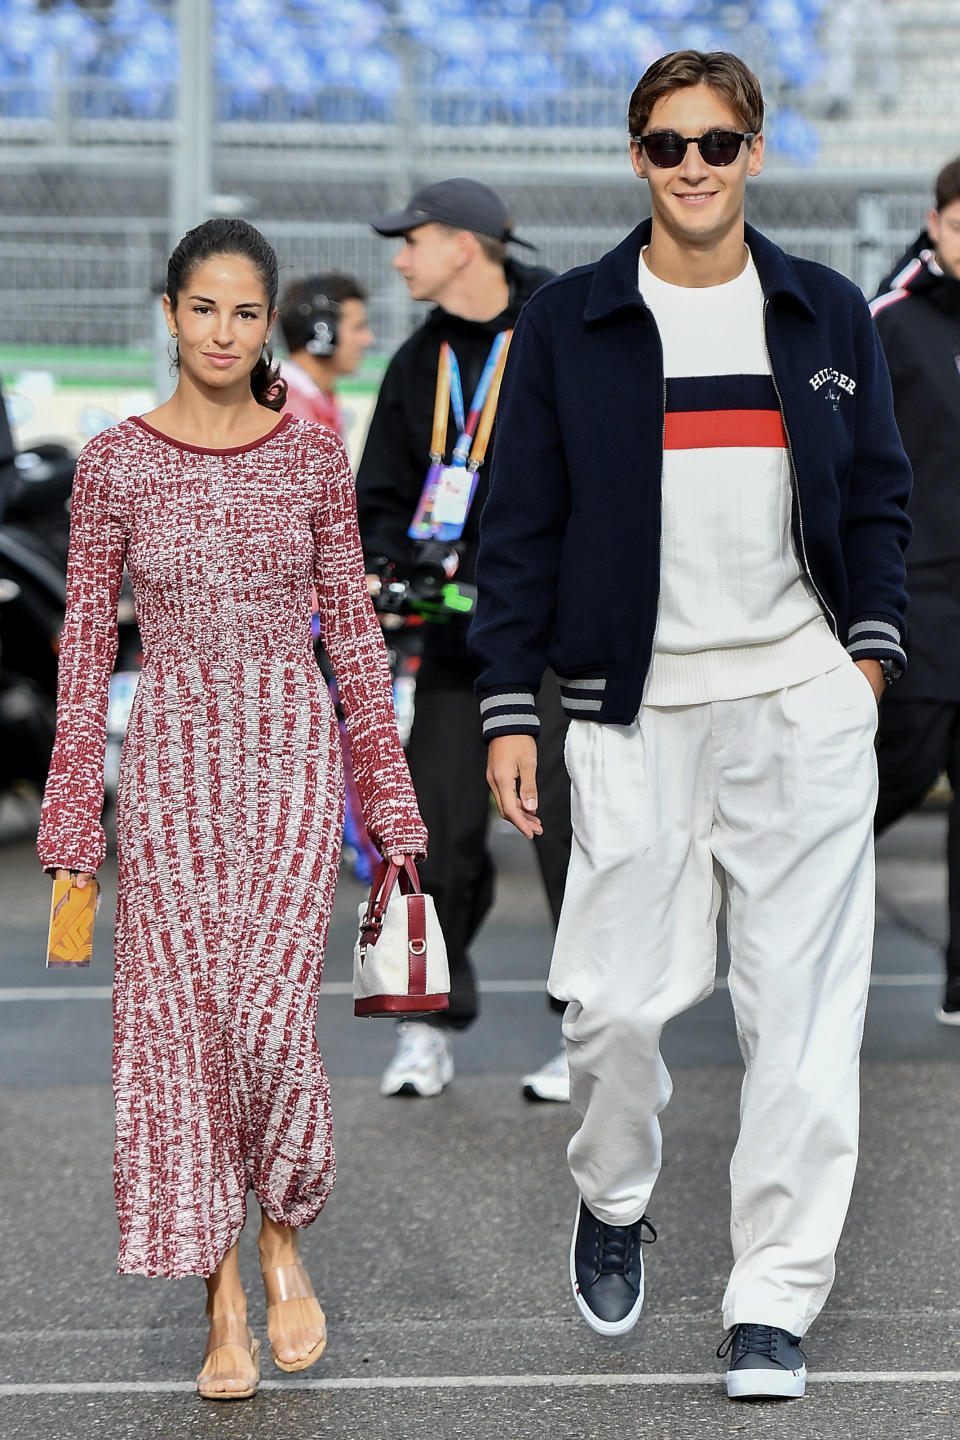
(222, 321)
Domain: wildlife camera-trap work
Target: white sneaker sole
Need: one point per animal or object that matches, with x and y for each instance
(766, 1384)
(408, 1083)
(602, 1327)
(411, 1084)
(420, 1088)
(947, 1017)
(551, 1092)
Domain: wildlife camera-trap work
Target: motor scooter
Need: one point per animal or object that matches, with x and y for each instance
(34, 525)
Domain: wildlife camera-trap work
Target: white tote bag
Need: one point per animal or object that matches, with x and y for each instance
(400, 959)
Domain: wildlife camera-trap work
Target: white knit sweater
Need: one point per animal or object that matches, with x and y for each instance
(737, 615)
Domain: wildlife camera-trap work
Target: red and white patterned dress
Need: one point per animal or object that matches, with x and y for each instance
(229, 812)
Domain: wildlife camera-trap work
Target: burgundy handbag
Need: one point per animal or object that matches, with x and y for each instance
(400, 959)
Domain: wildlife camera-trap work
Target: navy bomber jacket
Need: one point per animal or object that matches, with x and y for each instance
(569, 563)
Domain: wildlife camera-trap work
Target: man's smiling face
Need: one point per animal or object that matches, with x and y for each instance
(696, 203)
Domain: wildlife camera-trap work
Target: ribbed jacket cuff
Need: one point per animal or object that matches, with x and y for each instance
(876, 637)
(508, 712)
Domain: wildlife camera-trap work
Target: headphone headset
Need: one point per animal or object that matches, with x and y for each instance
(324, 314)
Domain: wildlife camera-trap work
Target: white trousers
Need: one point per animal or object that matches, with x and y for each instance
(773, 795)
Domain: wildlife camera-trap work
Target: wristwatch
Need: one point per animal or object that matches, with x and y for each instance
(891, 670)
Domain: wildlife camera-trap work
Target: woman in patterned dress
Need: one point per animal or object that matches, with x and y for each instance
(230, 802)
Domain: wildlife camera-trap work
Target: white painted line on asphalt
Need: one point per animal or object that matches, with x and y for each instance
(56, 992)
(34, 993)
(565, 1320)
(508, 987)
(331, 987)
(881, 981)
(477, 1382)
(907, 979)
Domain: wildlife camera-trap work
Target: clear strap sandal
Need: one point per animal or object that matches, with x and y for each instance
(282, 1284)
(230, 1329)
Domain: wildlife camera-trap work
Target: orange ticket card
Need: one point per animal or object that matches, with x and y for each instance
(72, 913)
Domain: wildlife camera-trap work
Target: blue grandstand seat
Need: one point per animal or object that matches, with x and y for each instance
(527, 62)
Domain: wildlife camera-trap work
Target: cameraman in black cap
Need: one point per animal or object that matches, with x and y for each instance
(455, 235)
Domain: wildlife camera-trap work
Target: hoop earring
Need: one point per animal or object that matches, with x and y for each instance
(266, 355)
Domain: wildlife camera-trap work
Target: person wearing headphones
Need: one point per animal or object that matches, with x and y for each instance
(324, 323)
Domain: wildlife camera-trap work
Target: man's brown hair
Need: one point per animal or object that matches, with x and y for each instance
(723, 72)
(493, 249)
(948, 184)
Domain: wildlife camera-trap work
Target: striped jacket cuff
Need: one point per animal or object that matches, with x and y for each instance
(876, 637)
(508, 712)
(582, 696)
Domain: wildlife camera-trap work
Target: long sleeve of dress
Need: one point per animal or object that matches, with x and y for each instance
(71, 835)
(355, 645)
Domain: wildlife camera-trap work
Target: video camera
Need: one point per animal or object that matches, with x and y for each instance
(430, 590)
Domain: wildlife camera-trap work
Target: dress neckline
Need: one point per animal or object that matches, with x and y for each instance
(207, 449)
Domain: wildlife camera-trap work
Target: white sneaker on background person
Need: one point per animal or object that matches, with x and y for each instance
(949, 1012)
(550, 1082)
(423, 1061)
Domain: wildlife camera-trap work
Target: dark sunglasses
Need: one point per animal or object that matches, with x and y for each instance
(665, 148)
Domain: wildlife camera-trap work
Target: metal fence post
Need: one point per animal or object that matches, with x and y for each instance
(191, 172)
(871, 240)
(192, 175)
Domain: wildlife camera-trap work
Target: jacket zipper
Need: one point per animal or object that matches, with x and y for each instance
(794, 482)
(663, 442)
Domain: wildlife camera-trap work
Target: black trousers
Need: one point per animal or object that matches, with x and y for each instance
(448, 760)
(917, 740)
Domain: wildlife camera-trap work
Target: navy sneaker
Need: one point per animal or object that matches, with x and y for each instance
(765, 1363)
(606, 1271)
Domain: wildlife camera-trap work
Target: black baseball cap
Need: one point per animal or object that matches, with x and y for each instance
(465, 204)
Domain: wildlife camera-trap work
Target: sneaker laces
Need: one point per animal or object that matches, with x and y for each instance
(763, 1340)
(616, 1242)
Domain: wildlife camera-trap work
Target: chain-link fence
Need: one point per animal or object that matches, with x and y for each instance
(528, 95)
(93, 281)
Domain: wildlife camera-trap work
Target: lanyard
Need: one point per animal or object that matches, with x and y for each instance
(491, 401)
(448, 490)
(483, 406)
(441, 407)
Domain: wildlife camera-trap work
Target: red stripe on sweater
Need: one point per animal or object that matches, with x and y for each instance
(707, 429)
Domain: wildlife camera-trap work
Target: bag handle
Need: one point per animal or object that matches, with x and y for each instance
(389, 874)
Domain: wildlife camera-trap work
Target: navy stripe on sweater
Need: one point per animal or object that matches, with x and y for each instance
(721, 392)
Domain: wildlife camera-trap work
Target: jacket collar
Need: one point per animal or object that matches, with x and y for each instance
(928, 282)
(614, 286)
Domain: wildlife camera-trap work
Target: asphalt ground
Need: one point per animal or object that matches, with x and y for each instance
(441, 1258)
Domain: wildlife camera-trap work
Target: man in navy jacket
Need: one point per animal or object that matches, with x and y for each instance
(697, 519)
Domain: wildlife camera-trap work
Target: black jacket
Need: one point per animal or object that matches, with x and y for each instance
(6, 439)
(7, 452)
(569, 567)
(396, 454)
(918, 320)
